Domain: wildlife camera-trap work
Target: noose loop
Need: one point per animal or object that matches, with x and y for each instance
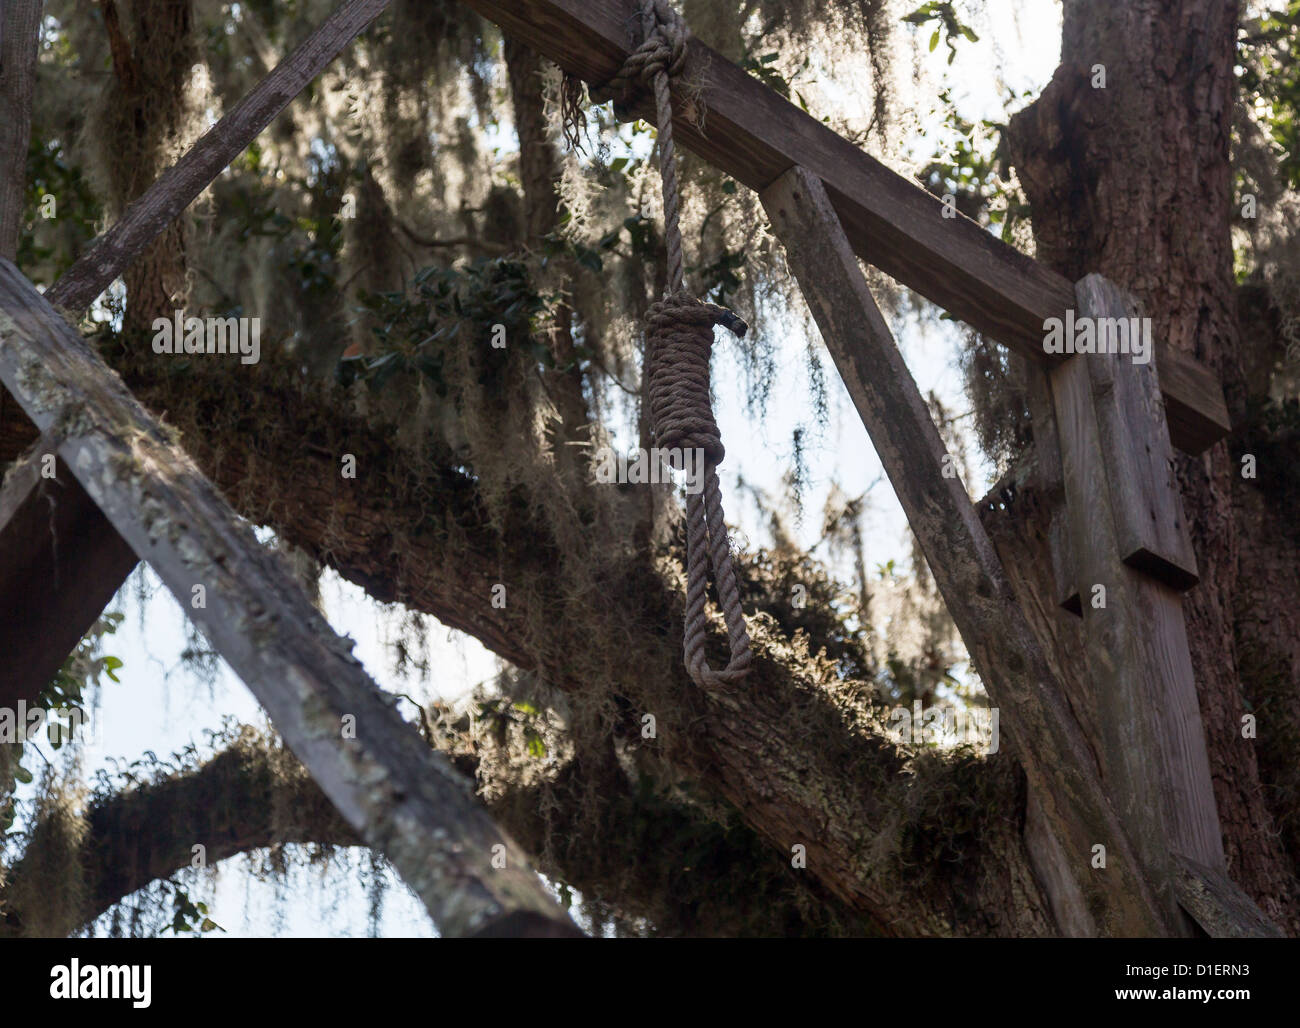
(680, 344)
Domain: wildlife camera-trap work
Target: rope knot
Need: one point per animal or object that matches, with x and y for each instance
(681, 345)
(662, 49)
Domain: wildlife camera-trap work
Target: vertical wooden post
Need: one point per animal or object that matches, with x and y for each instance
(1123, 511)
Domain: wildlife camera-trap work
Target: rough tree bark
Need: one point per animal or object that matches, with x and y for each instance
(241, 799)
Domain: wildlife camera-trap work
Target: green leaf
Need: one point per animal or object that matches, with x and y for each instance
(969, 33)
(934, 40)
(111, 664)
(23, 775)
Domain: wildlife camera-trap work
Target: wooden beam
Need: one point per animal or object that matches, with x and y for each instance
(1150, 529)
(755, 135)
(1002, 645)
(1152, 743)
(1219, 905)
(60, 564)
(111, 253)
(404, 799)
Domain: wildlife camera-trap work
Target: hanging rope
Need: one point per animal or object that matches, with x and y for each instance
(680, 342)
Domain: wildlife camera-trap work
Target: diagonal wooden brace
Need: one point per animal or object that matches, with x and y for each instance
(404, 799)
(962, 559)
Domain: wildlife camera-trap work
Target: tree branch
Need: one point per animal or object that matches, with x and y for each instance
(229, 805)
(178, 186)
(791, 752)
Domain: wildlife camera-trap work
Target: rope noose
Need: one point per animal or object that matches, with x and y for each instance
(680, 343)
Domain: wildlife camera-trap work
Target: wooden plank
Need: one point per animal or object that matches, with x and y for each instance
(60, 564)
(111, 253)
(404, 799)
(755, 135)
(1002, 645)
(1152, 743)
(1195, 407)
(1219, 905)
(1149, 524)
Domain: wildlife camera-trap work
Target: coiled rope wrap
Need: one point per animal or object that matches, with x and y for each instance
(680, 344)
(680, 339)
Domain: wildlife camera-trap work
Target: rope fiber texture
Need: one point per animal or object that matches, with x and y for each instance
(680, 345)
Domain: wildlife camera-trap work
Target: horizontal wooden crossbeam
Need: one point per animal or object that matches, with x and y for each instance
(755, 135)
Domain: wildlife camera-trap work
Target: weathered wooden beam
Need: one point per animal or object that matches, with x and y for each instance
(404, 799)
(60, 564)
(1057, 873)
(176, 188)
(1001, 643)
(755, 135)
(1219, 905)
(1152, 743)
(1149, 525)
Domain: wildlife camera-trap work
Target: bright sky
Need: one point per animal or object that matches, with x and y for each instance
(160, 707)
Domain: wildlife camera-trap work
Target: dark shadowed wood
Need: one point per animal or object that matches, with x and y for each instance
(404, 799)
(177, 187)
(1149, 524)
(961, 557)
(60, 564)
(1195, 408)
(754, 134)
